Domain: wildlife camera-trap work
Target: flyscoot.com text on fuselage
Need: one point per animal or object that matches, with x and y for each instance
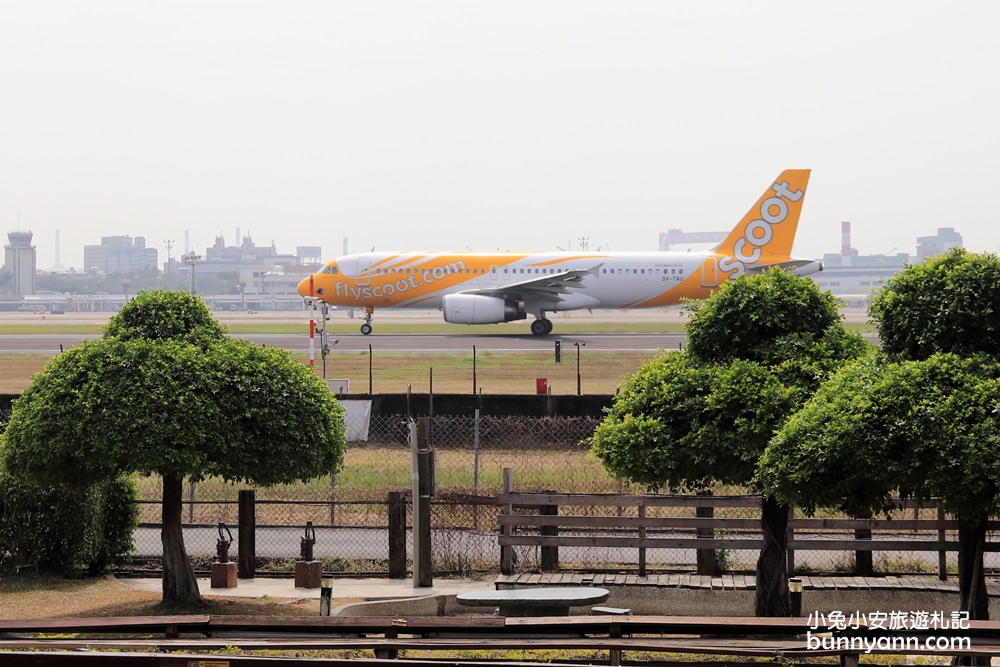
(493, 287)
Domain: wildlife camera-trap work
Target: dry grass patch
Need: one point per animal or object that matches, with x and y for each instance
(52, 597)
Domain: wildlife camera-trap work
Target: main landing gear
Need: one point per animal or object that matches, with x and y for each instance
(541, 327)
(366, 328)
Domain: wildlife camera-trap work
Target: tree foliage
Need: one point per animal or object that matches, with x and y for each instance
(230, 409)
(160, 315)
(919, 418)
(881, 427)
(757, 349)
(166, 392)
(688, 425)
(950, 303)
(768, 318)
(67, 530)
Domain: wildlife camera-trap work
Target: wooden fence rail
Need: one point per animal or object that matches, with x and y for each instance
(549, 521)
(667, 638)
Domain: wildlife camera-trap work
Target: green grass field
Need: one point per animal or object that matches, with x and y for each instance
(495, 372)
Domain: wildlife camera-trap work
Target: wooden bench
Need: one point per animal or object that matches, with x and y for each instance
(738, 636)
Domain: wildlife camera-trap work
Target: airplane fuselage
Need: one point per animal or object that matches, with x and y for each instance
(420, 279)
(486, 288)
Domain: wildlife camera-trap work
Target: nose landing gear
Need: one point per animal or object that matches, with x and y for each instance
(366, 328)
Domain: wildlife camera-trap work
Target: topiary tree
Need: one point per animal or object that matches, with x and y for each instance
(950, 303)
(757, 349)
(166, 392)
(882, 427)
(920, 418)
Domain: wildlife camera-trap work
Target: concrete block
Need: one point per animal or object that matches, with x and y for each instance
(223, 575)
(308, 573)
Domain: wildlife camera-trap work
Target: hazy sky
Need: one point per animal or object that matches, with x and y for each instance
(484, 125)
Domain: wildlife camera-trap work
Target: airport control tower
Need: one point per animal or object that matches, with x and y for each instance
(19, 265)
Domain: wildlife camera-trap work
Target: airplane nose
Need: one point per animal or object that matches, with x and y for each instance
(305, 288)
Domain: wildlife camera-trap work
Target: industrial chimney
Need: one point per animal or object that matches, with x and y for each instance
(845, 243)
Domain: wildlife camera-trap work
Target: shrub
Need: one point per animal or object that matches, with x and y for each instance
(68, 531)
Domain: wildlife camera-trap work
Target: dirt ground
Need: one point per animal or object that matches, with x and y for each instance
(27, 596)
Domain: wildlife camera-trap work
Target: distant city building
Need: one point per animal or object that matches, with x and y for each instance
(846, 274)
(119, 254)
(310, 254)
(853, 277)
(255, 270)
(20, 260)
(929, 246)
(247, 251)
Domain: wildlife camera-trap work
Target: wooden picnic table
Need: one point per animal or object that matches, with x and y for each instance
(541, 601)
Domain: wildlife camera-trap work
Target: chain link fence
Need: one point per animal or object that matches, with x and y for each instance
(349, 510)
(579, 370)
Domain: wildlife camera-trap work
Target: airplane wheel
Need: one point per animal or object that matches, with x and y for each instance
(541, 327)
(366, 328)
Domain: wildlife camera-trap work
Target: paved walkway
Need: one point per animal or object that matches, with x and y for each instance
(384, 589)
(343, 588)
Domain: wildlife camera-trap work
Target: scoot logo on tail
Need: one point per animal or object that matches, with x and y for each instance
(773, 211)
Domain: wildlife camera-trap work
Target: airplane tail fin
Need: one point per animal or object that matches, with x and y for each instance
(767, 231)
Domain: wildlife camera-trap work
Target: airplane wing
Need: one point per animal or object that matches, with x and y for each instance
(549, 288)
(796, 266)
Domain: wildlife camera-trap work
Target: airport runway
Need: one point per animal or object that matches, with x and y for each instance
(462, 340)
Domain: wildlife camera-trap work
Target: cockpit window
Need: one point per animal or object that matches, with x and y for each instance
(330, 270)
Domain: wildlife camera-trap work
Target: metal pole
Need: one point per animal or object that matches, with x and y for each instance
(475, 456)
(578, 346)
(475, 471)
(325, 597)
(415, 496)
(473, 370)
(191, 503)
(795, 596)
(324, 339)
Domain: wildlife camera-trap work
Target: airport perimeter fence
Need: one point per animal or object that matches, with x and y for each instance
(477, 369)
(350, 510)
(579, 370)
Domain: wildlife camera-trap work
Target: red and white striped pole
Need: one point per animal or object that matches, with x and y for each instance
(312, 324)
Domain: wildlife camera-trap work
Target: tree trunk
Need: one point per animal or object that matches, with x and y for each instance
(973, 597)
(971, 578)
(179, 583)
(772, 572)
(707, 559)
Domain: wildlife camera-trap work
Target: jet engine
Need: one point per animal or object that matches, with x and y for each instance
(479, 309)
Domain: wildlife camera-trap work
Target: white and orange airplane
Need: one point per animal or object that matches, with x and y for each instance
(487, 288)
